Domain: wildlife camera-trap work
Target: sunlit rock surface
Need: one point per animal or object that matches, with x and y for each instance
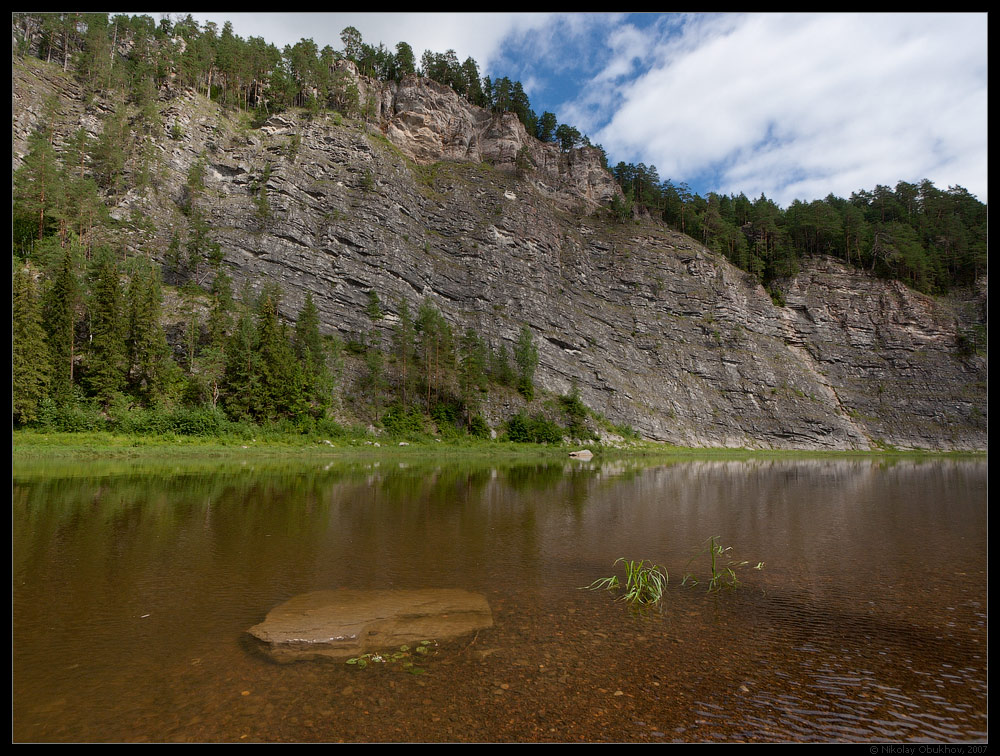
(432, 199)
(344, 623)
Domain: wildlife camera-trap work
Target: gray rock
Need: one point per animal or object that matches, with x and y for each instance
(429, 200)
(345, 623)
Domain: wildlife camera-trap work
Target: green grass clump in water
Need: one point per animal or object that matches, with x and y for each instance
(644, 582)
(723, 567)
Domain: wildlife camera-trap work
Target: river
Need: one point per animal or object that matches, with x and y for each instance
(133, 585)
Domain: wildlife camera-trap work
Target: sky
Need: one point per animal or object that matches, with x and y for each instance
(792, 106)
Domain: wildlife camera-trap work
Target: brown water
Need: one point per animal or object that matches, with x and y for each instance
(133, 588)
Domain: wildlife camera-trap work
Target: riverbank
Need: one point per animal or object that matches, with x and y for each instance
(28, 445)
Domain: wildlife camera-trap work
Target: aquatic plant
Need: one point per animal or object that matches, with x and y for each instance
(404, 656)
(644, 582)
(723, 566)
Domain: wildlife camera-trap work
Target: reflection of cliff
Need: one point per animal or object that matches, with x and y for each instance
(438, 199)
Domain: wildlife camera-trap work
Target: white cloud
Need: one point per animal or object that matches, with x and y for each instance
(795, 106)
(803, 105)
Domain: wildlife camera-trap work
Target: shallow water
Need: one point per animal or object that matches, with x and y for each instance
(133, 588)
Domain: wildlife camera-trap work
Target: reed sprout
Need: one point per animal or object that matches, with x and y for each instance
(723, 567)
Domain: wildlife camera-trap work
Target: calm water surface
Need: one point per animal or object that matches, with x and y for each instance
(133, 588)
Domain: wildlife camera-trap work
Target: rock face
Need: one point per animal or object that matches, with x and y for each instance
(428, 122)
(346, 623)
(438, 199)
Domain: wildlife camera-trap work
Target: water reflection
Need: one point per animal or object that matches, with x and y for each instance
(132, 586)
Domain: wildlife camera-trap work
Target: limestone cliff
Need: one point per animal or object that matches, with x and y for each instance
(437, 198)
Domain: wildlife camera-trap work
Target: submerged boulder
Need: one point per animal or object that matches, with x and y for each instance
(344, 623)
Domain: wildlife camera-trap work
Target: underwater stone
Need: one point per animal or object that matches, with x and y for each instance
(343, 623)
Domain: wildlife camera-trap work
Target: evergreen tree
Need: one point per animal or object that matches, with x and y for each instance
(308, 342)
(148, 353)
(60, 315)
(112, 151)
(203, 253)
(472, 84)
(29, 351)
(37, 181)
(212, 364)
(280, 388)
(311, 353)
(546, 127)
(526, 359)
(374, 307)
(82, 209)
(106, 358)
(241, 379)
(472, 374)
(436, 348)
(220, 314)
(406, 62)
(568, 137)
(576, 413)
(374, 378)
(352, 40)
(95, 61)
(501, 371)
(404, 346)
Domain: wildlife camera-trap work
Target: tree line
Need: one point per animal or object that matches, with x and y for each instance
(135, 56)
(86, 318)
(931, 239)
(88, 342)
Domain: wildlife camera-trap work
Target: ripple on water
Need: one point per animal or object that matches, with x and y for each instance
(882, 688)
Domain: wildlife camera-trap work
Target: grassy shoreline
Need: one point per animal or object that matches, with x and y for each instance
(33, 445)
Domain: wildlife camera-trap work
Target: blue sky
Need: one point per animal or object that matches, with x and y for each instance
(794, 106)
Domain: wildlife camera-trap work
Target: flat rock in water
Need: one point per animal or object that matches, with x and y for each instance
(344, 623)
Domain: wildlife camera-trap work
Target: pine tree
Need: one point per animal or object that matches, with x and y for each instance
(374, 307)
(281, 393)
(240, 385)
(405, 62)
(526, 359)
(404, 345)
(210, 366)
(308, 341)
(547, 127)
(201, 248)
(472, 374)
(29, 352)
(311, 353)
(436, 347)
(148, 353)
(60, 315)
(107, 363)
(374, 378)
(500, 368)
(37, 181)
(220, 315)
(112, 151)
